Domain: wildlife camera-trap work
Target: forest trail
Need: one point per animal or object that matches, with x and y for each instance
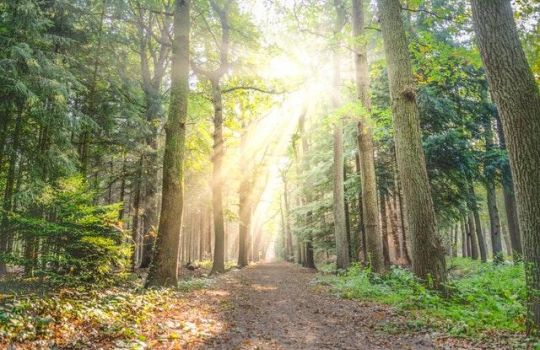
(274, 306)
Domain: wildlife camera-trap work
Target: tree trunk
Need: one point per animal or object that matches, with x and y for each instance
(472, 236)
(136, 214)
(384, 231)
(370, 210)
(289, 245)
(477, 224)
(489, 175)
(7, 205)
(244, 216)
(164, 268)
(463, 238)
(428, 254)
(516, 94)
(342, 245)
(509, 198)
(217, 201)
(395, 227)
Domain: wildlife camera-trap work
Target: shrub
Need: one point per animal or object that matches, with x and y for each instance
(73, 239)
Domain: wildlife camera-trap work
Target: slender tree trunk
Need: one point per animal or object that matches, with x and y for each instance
(289, 245)
(217, 201)
(370, 210)
(395, 227)
(7, 204)
(463, 238)
(164, 268)
(136, 214)
(477, 224)
(455, 250)
(309, 258)
(362, 253)
(245, 216)
(489, 175)
(509, 198)
(428, 254)
(384, 230)
(472, 236)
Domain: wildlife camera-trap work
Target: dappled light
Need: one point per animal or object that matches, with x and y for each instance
(269, 174)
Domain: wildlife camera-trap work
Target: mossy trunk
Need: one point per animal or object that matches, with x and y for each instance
(427, 250)
(370, 210)
(164, 267)
(516, 94)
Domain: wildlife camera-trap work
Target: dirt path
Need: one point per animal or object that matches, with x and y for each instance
(274, 306)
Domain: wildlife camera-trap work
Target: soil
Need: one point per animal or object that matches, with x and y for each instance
(275, 306)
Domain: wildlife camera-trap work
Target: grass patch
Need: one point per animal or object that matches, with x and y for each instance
(484, 297)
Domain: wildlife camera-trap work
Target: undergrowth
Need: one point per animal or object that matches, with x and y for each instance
(68, 317)
(483, 298)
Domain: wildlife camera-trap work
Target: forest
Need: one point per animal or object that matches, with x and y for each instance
(269, 174)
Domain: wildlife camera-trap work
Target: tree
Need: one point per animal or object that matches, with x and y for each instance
(370, 210)
(428, 254)
(517, 97)
(164, 268)
(342, 243)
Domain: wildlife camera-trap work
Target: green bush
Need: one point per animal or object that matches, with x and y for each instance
(482, 297)
(73, 240)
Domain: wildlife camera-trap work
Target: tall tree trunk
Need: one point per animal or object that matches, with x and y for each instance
(244, 216)
(509, 198)
(477, 223)
(489, 178)
(342, 245)
(164, 268)
(217, 201)
(395, 227)
(362, 253)
(428, 254)
(7, 204)
(516, 94)
(365, 145)
(289, 245)
(472, 236)
(309, 258)
(463, 238)
(136, 213)
(384, 230)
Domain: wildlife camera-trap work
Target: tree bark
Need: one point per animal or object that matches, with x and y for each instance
(472, 236)
(164, 268)
(136, 214)
(428, 254)
(244, 207)
(217, 201)
(517, 97)
(477, 223)
(489, 178)
(340, 232)
(509, 198)
(9, 191)
(384, 230)
(370, 210)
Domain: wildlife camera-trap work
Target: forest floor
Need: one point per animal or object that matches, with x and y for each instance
(264, 306)
(276, 306)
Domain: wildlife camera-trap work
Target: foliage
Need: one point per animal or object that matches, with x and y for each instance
(482, 298)
(84, 242)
